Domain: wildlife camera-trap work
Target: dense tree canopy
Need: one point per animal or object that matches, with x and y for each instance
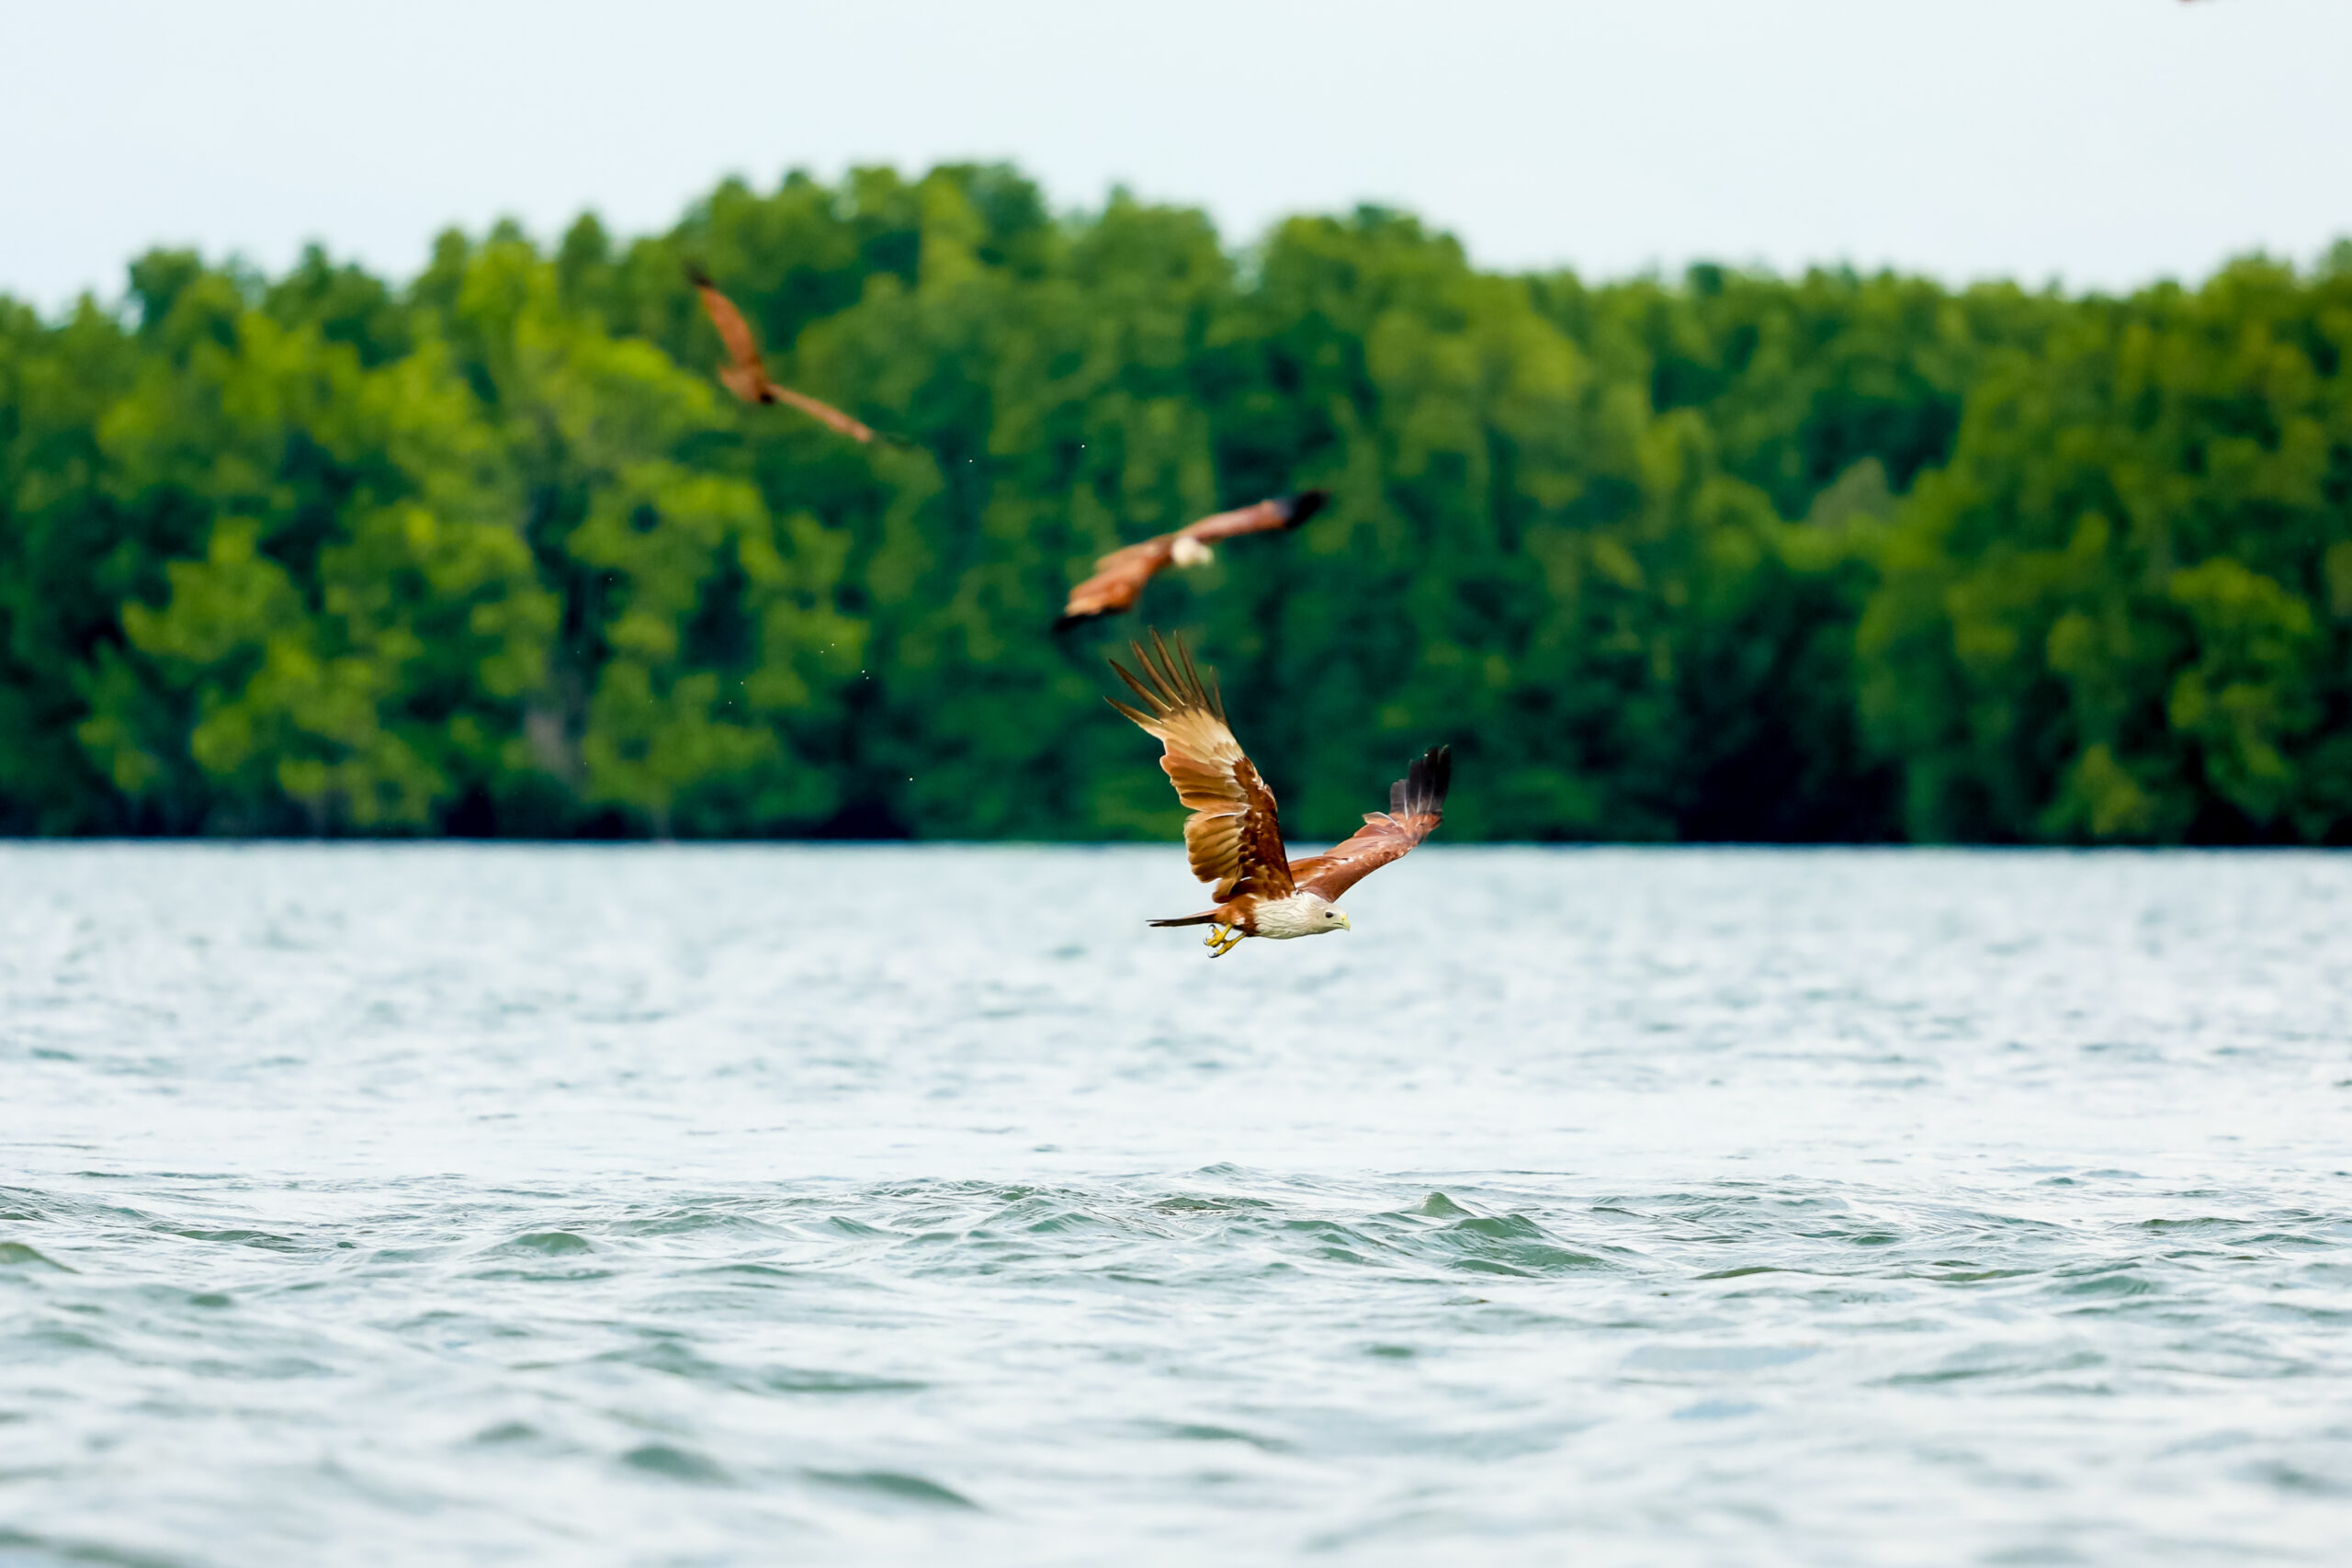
(1734, 556)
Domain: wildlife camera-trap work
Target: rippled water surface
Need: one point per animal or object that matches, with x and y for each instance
(497, 1205)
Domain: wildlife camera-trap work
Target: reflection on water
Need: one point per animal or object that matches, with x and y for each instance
(717, 1206)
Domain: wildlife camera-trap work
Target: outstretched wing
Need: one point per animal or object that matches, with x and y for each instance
(1283, 512)
(1118, 580)
(1416, 805)
(742, 348)
(1234, 837)
(824, 413)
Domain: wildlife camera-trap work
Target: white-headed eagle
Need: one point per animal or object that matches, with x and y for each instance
(1119, 577)
(1234, 837)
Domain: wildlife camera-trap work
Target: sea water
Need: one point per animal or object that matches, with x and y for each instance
(747, 1205)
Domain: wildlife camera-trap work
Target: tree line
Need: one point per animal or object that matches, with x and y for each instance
(1725, 556)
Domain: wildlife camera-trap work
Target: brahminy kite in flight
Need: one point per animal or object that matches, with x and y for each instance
(1234, 837)
(745, 375)
(1119, 577)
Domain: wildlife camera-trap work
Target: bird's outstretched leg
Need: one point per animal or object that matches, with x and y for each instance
(1232, 941)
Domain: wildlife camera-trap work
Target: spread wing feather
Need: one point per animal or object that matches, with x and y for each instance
(734, 333)
(1416, 805)
(1234, 836)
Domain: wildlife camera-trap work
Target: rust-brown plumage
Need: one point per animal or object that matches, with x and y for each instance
(746, 375)
(1119, 577)
(1234, 837)
(1416, 805)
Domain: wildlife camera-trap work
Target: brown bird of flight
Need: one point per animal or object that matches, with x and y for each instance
(747, 378)
(1119, 577)
(1234, 837)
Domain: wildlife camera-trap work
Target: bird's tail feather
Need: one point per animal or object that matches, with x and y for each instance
(1206, 917)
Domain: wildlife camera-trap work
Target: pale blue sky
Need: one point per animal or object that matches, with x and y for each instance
(2100, 141)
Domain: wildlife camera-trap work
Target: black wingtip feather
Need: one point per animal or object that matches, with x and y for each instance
(1156, 663)
(1134, 683)
(1195, 688)
(1169, 681)
(1304, 506)
(1423, 788)
(696, 276)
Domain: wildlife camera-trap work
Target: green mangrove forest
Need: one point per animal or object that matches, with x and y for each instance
(1725, 556)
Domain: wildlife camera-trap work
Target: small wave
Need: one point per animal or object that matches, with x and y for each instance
(894, 1486)
(545, 1244)
(16, 1254)
(673, 1463)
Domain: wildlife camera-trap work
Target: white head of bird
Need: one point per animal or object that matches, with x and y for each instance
(1189, 551)
(1301, 914)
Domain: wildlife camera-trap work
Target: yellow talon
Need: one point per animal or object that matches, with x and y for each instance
(1216, 934)
(1232, 940)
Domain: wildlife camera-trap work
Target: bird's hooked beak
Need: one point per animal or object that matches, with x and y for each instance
(1346, 923)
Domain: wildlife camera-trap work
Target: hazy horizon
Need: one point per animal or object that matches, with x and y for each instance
(2099, 147)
